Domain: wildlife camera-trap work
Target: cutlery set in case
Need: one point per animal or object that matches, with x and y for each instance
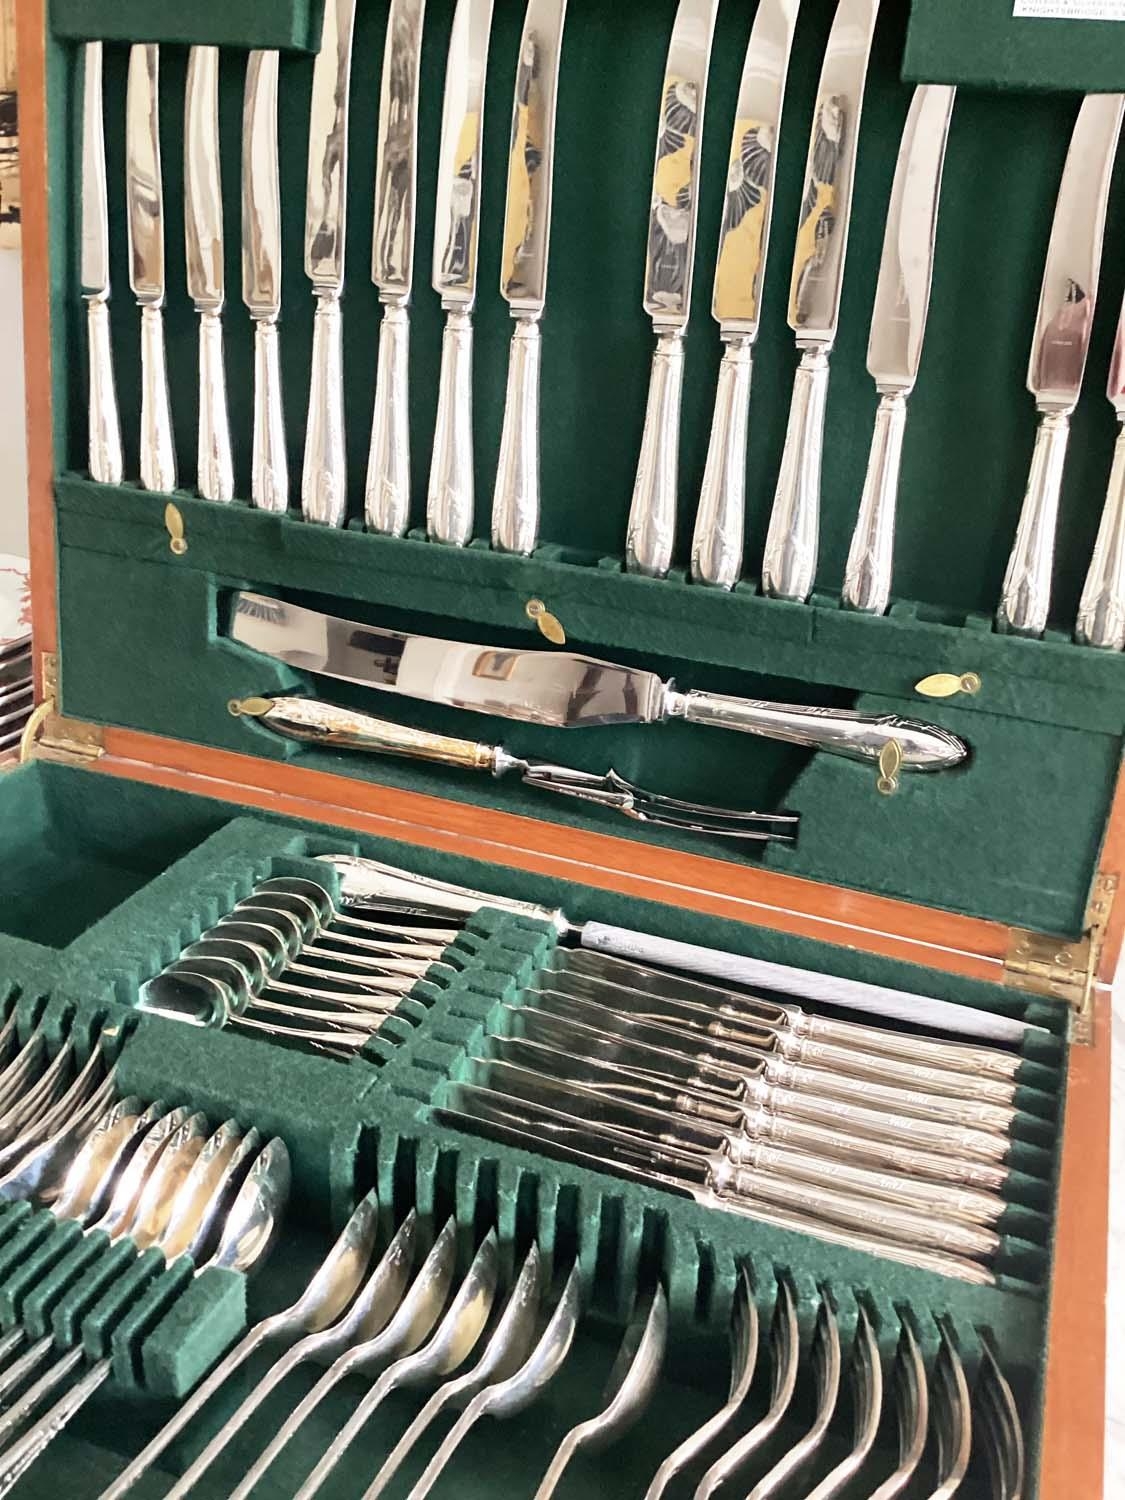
(734, 1120)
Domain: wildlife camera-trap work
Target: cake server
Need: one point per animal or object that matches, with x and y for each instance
(105, 459)
(793, 538)
(387, 492)
(1058, 355)
(716, 551)
(450, 496)
(316, 723)
(145, 205)
(261, 277)
(523, 272)
(563, 689)
(203, 237)
(1101, 612)
(894, 348)
(669, 264)
(324, 480)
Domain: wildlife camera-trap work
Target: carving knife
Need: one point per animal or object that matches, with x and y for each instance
(1058, 355)
(261, 277)
(324, 497)
(1101, 612)
(559, 688)
(792, 541)
(106, 464)
(523, 272)
(898, 327)
(668, 277)
(450, 497)
(387, 492)
(203, 237)
(716, 552)
(145, 204)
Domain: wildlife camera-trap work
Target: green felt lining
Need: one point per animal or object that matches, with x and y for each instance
(983, 44)
(293, 25)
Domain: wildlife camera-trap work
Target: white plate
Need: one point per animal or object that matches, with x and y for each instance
(15, 601)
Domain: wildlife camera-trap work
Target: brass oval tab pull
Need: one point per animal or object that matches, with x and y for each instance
(549, 625)
(174, 525)
(890, 764)
(948, 684)
(249, 708)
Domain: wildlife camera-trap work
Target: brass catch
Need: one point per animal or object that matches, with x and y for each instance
(174, 525)
(949, 684)
(549, 625)
(1063, 968)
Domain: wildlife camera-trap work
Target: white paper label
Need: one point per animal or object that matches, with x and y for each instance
(1071, 10)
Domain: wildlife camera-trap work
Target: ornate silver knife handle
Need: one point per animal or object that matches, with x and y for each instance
(269, 481)
(387, 493)
(652, 515)
(158, 456)
(1025, 600)
(867, 578)
(793, 538)
(716, 549)
(324, 488)
(839, 731)
(450, 499)
(1101, 613)
(106, 463)
(515, 502)
(215, 468)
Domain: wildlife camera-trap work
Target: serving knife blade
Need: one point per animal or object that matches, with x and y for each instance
(560, 688)
(523, 272)
(450, 495)
(145, 206)
(387, 491)
(898, 327)
(669, 265)
(716, 553)
(1101, 612)
(1058, 355)
(203, 239)
(105, 457)
(793, 538)
(324, 475)
(261, 277)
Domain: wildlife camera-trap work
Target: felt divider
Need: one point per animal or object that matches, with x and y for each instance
(292, 25)
(984, 44)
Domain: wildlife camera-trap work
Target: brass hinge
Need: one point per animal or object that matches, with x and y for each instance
(51, 736)
(1062, 968)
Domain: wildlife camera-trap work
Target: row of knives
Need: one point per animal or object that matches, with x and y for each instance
(789, 564)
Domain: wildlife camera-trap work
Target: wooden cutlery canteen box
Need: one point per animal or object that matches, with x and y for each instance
(144, 808)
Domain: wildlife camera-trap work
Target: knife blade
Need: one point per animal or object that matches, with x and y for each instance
(105, 457)
(716, 553)
(898, 327)
(523, 272)
(669, 265)
(1058, 355)
(324, 498)
(387, 491)
(261, 277)
(793, 537)
(450, 494)
(145, 205)
(560, 688)
(203, 239)
(1101, 611)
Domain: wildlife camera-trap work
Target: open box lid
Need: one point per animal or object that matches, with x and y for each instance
(968, 867)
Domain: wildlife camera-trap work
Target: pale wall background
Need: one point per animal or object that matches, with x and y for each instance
(13, 452)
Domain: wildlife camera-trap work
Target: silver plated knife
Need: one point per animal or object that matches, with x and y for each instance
(1101, 612)
(1058, 355)
(898, 328)
(324, 497)
(145, 205)
(669, 266)
(387, 492)
(523, 272)
(716, 551)
(203, 237)
(450, 496)
(793, 538)
(105, 458)
(560, 688)
(261, 277)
